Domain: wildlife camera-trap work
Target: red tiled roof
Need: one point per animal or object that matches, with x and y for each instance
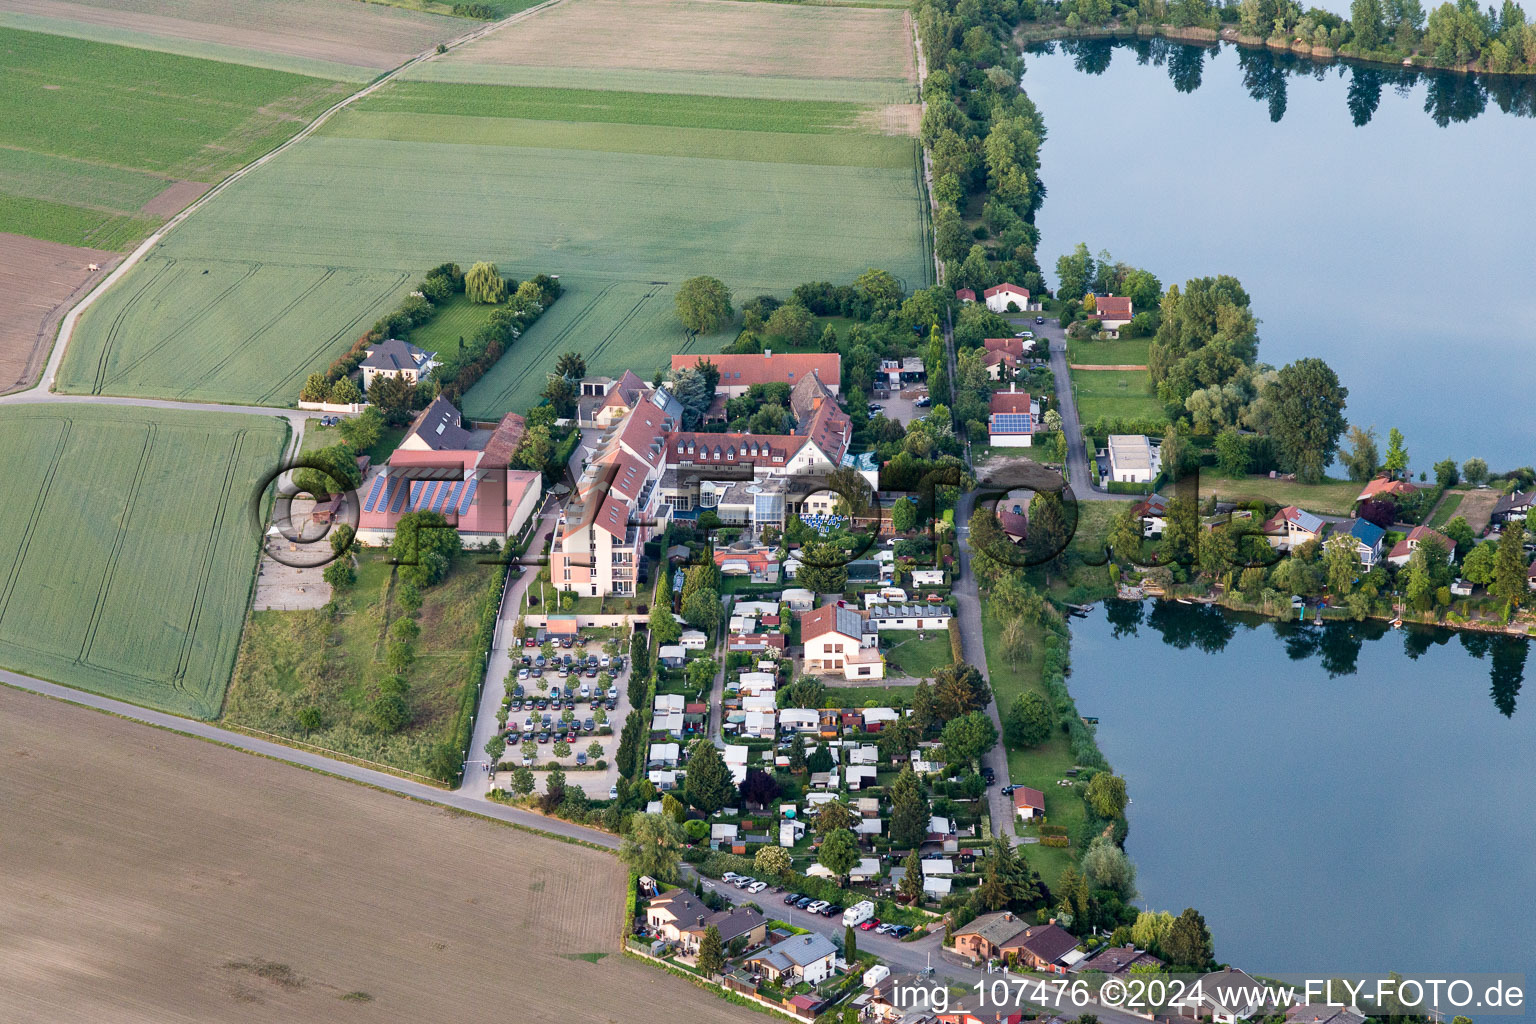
(1010, 401)
(1014, 524)
(830, 429)
(1023, 796)
(820, 622)
(614, 516)
(1381, 485)
(965, 295)
(773, 449)
(1013, 346)
(743, 370)
(1417, 536)
(504, 441)
(1112, 307)
(1007, 289)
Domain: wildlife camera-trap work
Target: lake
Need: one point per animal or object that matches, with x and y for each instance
(1381, 219)
(1331, 798)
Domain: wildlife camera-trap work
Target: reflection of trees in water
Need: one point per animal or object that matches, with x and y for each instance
(1508, 665)
(1449, 97)
(1203, 627)
(1124, 617)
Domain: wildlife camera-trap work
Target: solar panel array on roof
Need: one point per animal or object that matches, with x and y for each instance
(393, 495)
(1011, 423)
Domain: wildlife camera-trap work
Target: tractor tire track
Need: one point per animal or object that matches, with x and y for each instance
(35, 516)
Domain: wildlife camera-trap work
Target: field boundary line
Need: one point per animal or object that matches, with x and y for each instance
(38, 504)
(448, 800)
(50, 372)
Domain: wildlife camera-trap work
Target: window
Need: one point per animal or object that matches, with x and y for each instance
(863, 670)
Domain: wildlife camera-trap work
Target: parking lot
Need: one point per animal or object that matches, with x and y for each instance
(902, 405)
(559, 710)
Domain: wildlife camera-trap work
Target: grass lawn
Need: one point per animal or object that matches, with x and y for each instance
(860, 696)
(1449, 503)
(1130, 352)
(295, 660)
(1114, 394)
(1041, 767)
(127, 547)
(918, 658)
(317, 437)
(1336, 497)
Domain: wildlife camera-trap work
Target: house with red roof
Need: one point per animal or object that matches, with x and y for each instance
(1112, 312)
(1000, 297)
(739, 371)
(1028, 803)
(460, 471)
(1387, 488)
(1001, 356)
(1404, 549)
(965, 295)
(1014, 416)
(1292, 527)
(833, 638)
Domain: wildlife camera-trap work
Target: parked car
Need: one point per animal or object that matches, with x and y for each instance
(817, 906)
(611, 704)
(581, 757)
(566, 642)
(604, 661)
(729, 876)
(522, 673)
(1039, 319)
(613, 791)
(528, 642)
(543, 737)
(832, 911)
(757, 887)
(924, 402)
(588, 725)
(870, 924)
(743, 881)
(899, 931)
(792, 898)
(613, 693)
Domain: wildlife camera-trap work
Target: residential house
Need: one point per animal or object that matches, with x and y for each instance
(663, 755)
(798, 599)
(1000, 297)
(395, 358)
(900, 372)
(1224, 996)
(760, 724)
(681, 917)
(927, 577)
(1028, 803)
(1323, 1013)
(1153, 513)
(672, 655)
(1292, 527)
(1116, 960)
(965, 295)
(603, 401)
(1005, 935)
(799, 720)
(462, 473)
(810, 958)
(1132, 459)
(908, 617)
(791, 831)
(771, 644)
(740, 371)
(875, 719)
(1014, 521)
(693, 640)
(1530, 576)
(833, 639)
(1013, 419)
(1363, 536)
(1001, 356)
(755, 684)
(1385, 488)
(858, 776)
(1112, 312)
(1514, 505)
(1403, 549)
(866, 870)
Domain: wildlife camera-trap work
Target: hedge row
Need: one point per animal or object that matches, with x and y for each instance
(463, 729)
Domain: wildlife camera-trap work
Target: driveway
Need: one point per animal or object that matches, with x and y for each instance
(1078, 475)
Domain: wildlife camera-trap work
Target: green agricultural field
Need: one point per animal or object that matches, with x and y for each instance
(90, 132)
(278, 276)
(128, 547)
(1114, 394)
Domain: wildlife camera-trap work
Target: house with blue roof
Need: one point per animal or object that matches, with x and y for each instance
(1364, 535)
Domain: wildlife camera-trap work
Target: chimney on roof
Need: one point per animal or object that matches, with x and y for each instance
(701, 920)
(767, 353)
(1013, 387)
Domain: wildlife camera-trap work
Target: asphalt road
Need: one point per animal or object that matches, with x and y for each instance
(1078, 476)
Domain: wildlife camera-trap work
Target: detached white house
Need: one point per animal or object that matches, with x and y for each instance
(999, 296)
(395, 358)
(1112, 312)
(693, 640)
(1133, 459)
(1014, 416)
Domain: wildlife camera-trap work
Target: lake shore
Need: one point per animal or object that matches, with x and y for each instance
(1320, 54)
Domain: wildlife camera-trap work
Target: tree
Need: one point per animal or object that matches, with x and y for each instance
(571, 366)
(362, 431)
(483, 284)
(317, 388)
(820, 759)
(389, 712)
(1307, 416)
(850, 947)
(310, 719)
(1343, 563)
(1361, 460)
(911, 886)
(708, 784)
(1188, 942)
(831, 816)
(772, 861)
(904, 515)
(958, 690)
(797, 763)
(495, 747)
(704, 304)
(653, 846)
(1015, 641)
(1151, 928)
(839, 853)
(425, 547)
(1126, 534)
(522, 780)
(1106, 795)
(1396, 462)
(702, 609)
(1074, 272)
(909, 810)
(792, 322)
(1509, 569)
(968, 737)
(340, 574)
(345, 392)
(333, 470)
(664, 626)
(1475, 472)
(823, 569)
(1106, 866)
(1029, 721)
(1446, 473)
(1479, 566)
(1232, 452)
(711, 953)
(1460, 533)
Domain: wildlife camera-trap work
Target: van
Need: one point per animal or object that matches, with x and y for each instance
(858, 913)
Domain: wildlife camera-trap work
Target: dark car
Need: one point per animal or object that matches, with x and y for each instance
(543, 737)
(591, 671)
(566, 642)
(541, 661)
(588, 725)
(792, 898)
(803, 901)
(1039, 319)
(923, 403)
(832, 911)
(610, 705)
(900, 931)
(527, 660)
(541, 705)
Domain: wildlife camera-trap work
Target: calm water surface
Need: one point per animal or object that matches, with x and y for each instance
(1384, 221)
(1331, 798)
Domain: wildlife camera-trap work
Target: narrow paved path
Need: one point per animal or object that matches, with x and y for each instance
(716, 717)
(318, 762)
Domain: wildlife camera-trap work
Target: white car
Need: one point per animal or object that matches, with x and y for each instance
(613, 792)
(1025, 334)
(757, 887)
(742, 881)
(817, 907)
